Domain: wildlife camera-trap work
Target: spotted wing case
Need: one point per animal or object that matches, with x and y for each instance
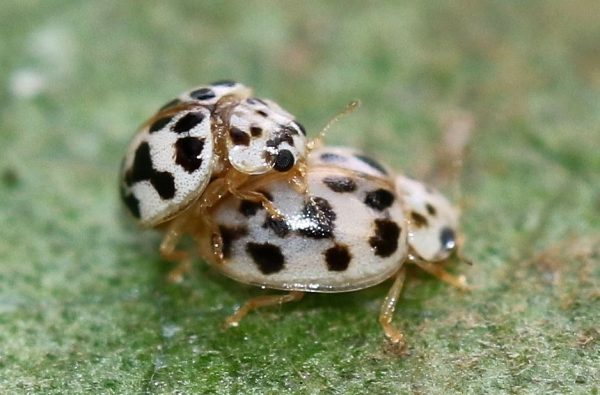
(168, 164)
(169, 161)
(349, 159)
(349, 233)
(209, 95)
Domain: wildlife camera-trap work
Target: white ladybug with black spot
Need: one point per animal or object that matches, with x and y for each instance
(212, 132)
(347, 232)
(350, 230)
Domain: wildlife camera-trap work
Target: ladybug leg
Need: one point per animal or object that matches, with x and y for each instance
(258, 302)
(436, 269)
(211, 230)
(298, 179)
(258, 198)
(208, 228)
(168, 250)
(394, 335)
(235, 180)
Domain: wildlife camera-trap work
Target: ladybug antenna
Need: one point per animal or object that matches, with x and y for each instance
(459, 250)
(318, 141)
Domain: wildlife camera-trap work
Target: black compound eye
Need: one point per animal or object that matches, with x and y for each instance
(448, 239)
(284, 161)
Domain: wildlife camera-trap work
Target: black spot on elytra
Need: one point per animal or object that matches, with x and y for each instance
(279, 226)
(248, 208)
(142, 169)
(164, 183)
(142, 165)
(372, 162)
(187, 153)
(385, 239)
(188, 122)
(132, 203)
(418, 219)
(229, 235)
(340, 184)
(203, 94)
(331, 157)
(239, 137)
(337, 257)
(262, 113)
(430, 209)
(170, 104)
(255, 100)
(159, 124)
(284, 160)
(228, 83)
(379, 199)
(300, 126)
(317, 219)
(448, 239)
(256, 131)
(267, 256)
(281, 138)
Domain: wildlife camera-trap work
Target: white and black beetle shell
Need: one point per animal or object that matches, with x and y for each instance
(347, 232)
(174, 156)
(168, 164)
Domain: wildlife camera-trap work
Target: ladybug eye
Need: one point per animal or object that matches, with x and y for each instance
(448, 239)
(284, 160)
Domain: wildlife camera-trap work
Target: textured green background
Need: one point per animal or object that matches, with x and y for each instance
(84, 305)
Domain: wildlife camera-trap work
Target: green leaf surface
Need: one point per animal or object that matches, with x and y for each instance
(85, 306)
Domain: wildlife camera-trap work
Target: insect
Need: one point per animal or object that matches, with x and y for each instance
(354, 227)
(207, 142)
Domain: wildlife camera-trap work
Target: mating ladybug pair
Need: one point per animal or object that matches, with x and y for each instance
(267, 207)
